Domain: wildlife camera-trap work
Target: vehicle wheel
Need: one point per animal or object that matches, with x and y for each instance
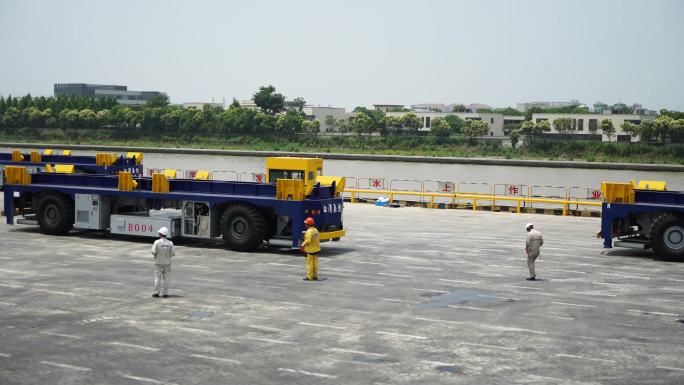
(56, 214)
(667, 236)
(243, 227)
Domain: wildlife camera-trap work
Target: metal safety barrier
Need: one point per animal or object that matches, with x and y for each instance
(476, 198)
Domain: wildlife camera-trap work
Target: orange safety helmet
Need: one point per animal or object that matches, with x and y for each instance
(309, 221)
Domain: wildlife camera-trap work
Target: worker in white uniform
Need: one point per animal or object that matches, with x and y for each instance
(163, 250)
(533, 245)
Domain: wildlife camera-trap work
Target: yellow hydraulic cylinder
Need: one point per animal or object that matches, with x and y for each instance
(126, 182)
(16, 156)
(137, 155)
(652, 185)
(159, 183)
(17, 175)
(290, 189)
(105, 159)
(64, 168)
(35, 157)
(202, 175)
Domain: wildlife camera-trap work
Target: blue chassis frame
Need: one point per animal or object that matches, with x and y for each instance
(211, 191)
(646, 201)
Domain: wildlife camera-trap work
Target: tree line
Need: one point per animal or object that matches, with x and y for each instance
(276, 116)
(273, 116)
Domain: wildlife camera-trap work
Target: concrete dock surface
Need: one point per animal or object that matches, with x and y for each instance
(409, 296)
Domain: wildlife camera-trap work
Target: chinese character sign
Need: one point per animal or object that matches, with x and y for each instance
(259, 178)
(596, 194)
(377, 184)
(513, 189)
(446, 187)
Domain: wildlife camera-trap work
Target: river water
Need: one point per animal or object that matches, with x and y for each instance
(370, 170)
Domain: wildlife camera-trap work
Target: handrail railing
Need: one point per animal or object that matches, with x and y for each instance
(475, 198)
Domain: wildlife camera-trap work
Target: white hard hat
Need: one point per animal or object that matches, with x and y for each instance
(527, 226)
(164, 231)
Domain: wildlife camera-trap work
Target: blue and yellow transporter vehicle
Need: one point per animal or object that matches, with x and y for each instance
(643, 216)
(48, 161)
(245, 214)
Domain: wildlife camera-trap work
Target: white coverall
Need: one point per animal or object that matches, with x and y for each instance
(532, 247)
(163, 250)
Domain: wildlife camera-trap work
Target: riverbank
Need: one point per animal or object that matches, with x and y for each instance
(351, 156)
(424, 147)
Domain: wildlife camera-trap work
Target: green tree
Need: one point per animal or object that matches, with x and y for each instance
(171, 119)
(376, 116)
(289, 123)
(311, 127)
(543, 126)
(341, 125)
(87, 118)
(298, 104)
(563, 125)
(455, 123)
(411, 123)
(677, 130)
(49, 118)
(3, 106)
(440, 128)
(608, 128)
(514, 136)
(33, 117)
(13, 118)
(394, 124)
(268, 100)
(25, 102)
(646, 131)
(662, 127)
(161, 100)
(631, 129)
(361, 123)
(531, 111)
(459, 108)
(264, 123)
(474, 128)
(103, 117)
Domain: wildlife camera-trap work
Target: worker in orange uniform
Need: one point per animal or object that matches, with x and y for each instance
(311, 246)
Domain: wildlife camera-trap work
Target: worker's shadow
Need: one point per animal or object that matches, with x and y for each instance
(325, 253)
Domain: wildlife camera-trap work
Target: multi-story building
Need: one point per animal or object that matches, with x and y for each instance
(388, 107)
(120, 93)
(523, 107)
(200, 105)
(588, 126)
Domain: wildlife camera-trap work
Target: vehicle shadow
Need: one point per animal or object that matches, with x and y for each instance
(215, 244)
(634, 253)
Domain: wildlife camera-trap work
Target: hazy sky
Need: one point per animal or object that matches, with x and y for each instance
(349, 53)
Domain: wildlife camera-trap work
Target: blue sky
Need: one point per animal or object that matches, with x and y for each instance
(349, 53)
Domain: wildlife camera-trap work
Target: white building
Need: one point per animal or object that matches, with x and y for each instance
(494, 121)
(588, 126)
(523, 107)
(200, 105)
(325, 115)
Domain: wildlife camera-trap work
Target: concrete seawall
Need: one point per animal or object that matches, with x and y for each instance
(367, 157)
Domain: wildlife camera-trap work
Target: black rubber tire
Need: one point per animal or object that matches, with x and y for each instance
(243, 227)
(55, 214)
(667, 237)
